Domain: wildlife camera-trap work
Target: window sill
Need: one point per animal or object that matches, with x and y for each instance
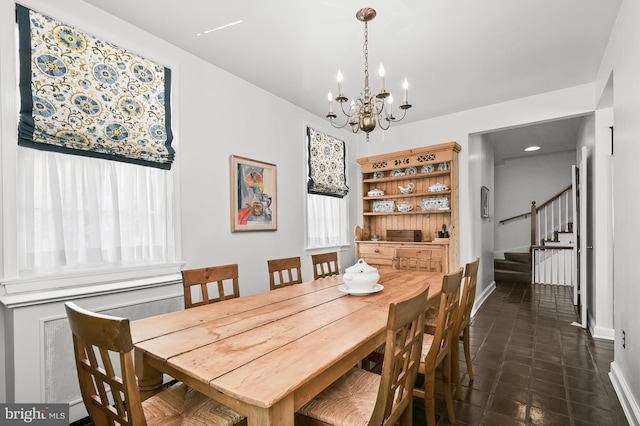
(339, 248)
(39, 289)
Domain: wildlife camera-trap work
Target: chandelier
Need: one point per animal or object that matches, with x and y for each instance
(367, 110)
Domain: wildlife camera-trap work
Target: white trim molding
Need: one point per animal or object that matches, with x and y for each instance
(625, 396)
(600, 332)
(482, 297)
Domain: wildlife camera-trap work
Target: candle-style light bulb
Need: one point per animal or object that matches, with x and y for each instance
(339, 78)
(381, 72)
(405, 86)
(352, 114)
(330, 99)
(390, 103)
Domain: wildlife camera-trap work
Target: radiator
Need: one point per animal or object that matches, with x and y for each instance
(60, 376)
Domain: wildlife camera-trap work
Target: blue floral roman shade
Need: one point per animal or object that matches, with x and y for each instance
(81, 95)
(326, 165)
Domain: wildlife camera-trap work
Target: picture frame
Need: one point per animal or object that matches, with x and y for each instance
(484, 202)
(253, 195)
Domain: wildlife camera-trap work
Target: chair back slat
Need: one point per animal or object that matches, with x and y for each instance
(447, 318)
(325, 265)
(284, 272)
(201, 278)
(418, 259)
(468, 293)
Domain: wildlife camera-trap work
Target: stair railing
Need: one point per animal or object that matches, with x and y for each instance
(552, 216)
(551, 264)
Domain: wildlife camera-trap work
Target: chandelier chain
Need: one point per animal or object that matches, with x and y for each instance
(365, 49)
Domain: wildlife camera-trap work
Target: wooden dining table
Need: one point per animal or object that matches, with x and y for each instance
(266, 355)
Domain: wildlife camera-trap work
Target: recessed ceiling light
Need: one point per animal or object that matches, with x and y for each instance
(220, 28)
(532, 148)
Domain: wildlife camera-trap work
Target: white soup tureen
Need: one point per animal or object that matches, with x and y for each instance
(361, 276)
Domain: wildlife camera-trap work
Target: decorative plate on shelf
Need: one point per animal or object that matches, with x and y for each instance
(427, 168)
(441, 203)
(411, 170)
(397, 172)
(386, 206)
(444, 166)
(378, 175)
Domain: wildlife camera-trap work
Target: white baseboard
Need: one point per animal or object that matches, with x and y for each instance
(482, 297)
(629, 405)
(599, 332)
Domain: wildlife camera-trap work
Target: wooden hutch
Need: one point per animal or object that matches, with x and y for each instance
(386, 180)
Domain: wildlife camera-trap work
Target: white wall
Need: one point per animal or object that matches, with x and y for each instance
(520, 181)
(623, 60)
(595, 135)
(602, 325)
(481, 173)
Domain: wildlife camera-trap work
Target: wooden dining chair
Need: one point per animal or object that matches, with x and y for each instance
(436, 349)
(325, 265)
(216, 283)
(98, 340)
(418, 258)
(284, 272)
(463, 326)
(406, 258)
(361, 397)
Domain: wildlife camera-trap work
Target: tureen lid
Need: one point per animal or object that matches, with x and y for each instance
(361, 267)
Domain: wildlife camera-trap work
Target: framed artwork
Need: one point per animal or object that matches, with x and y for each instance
(253, 195)
(484, 201)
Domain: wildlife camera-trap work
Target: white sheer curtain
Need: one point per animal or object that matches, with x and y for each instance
(327, 221)
(78, 212)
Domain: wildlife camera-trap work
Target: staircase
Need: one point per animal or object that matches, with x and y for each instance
(515, 267)
(552, 256)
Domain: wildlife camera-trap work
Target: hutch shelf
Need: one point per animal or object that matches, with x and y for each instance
(412, 190)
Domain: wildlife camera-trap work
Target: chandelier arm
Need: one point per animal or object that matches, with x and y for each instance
(378, 104)
(338, 126)
(349, 115)
(404, 112)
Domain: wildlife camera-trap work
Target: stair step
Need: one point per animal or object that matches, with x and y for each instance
(550, 243)
(510, 265)
(512, 276)
(522, 257)
(566, 238)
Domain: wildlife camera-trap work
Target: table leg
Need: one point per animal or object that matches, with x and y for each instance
(149, 378)
(280, 414)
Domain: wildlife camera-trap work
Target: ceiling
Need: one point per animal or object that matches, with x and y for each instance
(551, 137)
(456, 55)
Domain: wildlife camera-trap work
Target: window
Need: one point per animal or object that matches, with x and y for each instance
(78, 213)
(327, 207)
(327, 221)
(80, 219)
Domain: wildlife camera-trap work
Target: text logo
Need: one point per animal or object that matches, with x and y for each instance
(34, 414)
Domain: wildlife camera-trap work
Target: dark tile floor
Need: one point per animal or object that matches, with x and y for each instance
(531, 366)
